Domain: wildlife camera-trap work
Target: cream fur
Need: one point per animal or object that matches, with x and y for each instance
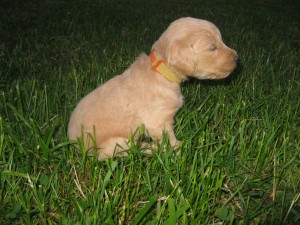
(140, 96)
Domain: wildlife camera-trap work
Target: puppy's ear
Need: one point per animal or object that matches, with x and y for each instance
(182, 58)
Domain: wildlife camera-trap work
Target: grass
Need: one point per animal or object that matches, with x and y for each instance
(240, 157)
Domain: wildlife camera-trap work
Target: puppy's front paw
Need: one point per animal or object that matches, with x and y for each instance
(177, 143)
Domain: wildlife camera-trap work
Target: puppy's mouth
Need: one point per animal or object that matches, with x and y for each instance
(215, 75)
(220, 75)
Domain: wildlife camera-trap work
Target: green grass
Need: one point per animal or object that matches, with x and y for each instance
(240, 157)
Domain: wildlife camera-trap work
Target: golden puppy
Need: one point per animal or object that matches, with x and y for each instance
(148, 92)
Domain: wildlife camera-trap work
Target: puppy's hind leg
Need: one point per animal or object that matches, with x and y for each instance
(115, 146)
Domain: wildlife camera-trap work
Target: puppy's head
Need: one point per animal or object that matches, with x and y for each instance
(194, 47)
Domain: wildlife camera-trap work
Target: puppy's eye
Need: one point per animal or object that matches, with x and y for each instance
(213, 48)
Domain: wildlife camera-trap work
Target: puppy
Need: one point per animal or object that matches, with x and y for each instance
(148, 92)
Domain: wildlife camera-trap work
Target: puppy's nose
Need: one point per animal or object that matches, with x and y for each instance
(236, 58)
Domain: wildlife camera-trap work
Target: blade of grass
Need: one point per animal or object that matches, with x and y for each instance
(144, 210)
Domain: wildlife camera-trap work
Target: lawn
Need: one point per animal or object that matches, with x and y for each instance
(240, 155)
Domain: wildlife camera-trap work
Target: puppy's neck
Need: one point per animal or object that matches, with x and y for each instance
(160, 66)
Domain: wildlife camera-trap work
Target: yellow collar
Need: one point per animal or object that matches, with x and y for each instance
(160, 66)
